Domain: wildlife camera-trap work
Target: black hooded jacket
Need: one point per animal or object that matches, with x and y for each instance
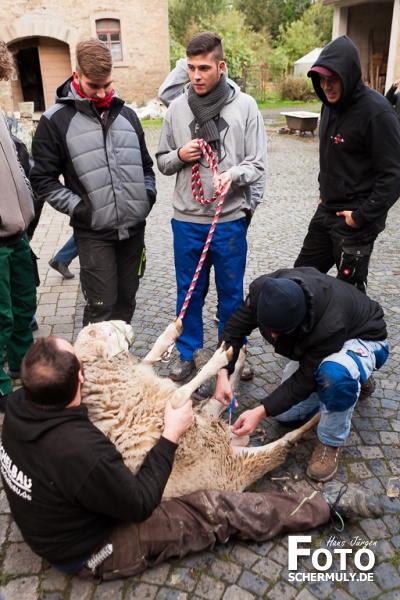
(67, 484)
(359, 141)
(337, 312)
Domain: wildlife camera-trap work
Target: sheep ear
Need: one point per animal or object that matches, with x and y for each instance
(103, 350)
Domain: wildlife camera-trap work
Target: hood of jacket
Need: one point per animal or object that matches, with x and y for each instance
(29, 423)
(340, 56)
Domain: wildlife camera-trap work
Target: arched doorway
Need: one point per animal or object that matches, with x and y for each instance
(31, 77)
(43, 64)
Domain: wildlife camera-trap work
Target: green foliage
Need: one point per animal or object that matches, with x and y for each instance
(293, 10)
(262, 15)
(184, 14)
(261, 32)
(322, 17)
(296, 88)
(299, 39)
(240, 43)
(176, 51)
(312, 30)
(278, 63)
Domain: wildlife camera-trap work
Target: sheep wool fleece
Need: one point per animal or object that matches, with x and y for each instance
(198, 521)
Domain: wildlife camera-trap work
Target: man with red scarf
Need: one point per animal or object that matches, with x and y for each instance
(97, 144)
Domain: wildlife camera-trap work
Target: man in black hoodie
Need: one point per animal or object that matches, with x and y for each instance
(359, 175)
(79, 507)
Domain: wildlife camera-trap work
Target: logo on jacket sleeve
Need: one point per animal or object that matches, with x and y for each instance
(337, 139)
(16, 480)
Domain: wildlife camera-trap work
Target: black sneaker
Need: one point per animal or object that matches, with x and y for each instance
(352, 501)
(3, 401)
(247, 372)
(181, 369)
(14, 374)
(201, 358)
(62, 269)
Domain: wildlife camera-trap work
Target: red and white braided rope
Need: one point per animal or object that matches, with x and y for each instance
(196, 182)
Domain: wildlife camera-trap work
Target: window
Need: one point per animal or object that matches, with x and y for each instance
(109, 31)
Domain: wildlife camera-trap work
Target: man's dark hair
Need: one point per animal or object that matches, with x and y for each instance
(49, 375)
(204, 43)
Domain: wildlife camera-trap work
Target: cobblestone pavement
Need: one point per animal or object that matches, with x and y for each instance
(238, 570)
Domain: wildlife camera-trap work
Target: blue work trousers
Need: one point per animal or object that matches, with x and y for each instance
(228, 251)
(339, 378)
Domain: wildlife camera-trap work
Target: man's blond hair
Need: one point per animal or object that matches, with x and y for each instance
(7, 63)
(93, 59)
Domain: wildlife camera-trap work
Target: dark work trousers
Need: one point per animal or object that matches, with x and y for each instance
(110, 272)
(329, 241)
(17, 307)
(199, 520)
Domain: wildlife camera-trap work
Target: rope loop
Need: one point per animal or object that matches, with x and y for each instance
(197, 187)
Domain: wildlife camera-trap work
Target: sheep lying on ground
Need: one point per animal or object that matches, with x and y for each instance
(126, 400)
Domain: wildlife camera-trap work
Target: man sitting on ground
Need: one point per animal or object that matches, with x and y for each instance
(79, 507)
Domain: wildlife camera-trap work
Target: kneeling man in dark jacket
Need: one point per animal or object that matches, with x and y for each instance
(336, 334)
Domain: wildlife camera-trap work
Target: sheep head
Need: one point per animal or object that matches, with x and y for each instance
(103, 340)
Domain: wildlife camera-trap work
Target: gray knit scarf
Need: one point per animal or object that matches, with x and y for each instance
(206, 108)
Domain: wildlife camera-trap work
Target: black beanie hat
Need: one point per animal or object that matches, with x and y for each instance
(282, 305)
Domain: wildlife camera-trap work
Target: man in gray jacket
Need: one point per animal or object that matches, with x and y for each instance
(171, 88)
(215, 110)
(97, 143)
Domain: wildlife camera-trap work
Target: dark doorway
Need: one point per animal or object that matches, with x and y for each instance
(30, 76)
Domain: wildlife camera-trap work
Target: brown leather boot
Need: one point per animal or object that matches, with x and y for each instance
(324, 462)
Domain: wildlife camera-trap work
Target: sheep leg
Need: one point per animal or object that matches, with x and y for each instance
(215, 408)
(219, 359)
(290, 438)
(164, 341)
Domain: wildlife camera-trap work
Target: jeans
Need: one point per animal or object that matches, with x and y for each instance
(110, 273)
(339, 378)
(67, 253)
(228, 251)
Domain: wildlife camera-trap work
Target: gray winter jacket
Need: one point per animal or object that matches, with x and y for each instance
(109, 184)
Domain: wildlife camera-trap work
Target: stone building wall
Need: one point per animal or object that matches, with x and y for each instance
(144, 32)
